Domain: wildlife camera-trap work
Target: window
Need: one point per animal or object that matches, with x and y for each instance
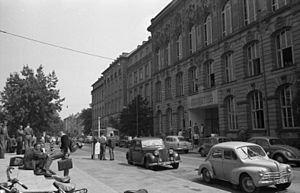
(276, 4)
(250, 11)
(192, 39)
(135, 77)
(231, 113)
(159, 121)
(158, 58)
(253, 59)
(208, 31)
(147, 92)
(229, 155)
(284, 49)
(229, 70)
(141, 74)
(179, 47)
(226, 19)
(257, 111)
(169, 119)
(217, 153)
(193, 87)
(210, 75)
(168, 88)
(179, 84)
(147, 70)
(288, 117)
(180, 120)
(158, 91)
(167, 54)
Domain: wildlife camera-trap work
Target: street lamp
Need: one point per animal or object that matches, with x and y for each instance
(99, 127)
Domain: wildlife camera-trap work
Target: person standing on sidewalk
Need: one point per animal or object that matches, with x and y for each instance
(20, 139)
(102, 147)
(28, 136)
(111, 145)
(3, 139)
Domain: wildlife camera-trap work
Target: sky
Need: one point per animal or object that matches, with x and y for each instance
(106, 28)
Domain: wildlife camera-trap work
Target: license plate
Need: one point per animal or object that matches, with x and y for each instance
(281, 181)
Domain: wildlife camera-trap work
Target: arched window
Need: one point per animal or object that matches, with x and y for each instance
(257, 110)
(253, 59)
(169, 120)
(168, 89)
(193, 87)
(288, 116)
(192, 39)
(276, 4)
(208, 30)
(179, 47)
(226, 19)
(158, 92)
(179, 84)
(231, 113)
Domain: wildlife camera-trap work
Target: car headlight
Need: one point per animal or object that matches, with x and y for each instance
(171, 151)
(156, 153)
(289, 154)
(289, 169)
(261, 173)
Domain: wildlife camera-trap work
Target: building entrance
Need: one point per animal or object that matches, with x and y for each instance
(211, 122)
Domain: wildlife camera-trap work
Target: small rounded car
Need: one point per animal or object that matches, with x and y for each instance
(178, 143)
(208, 142)
(151, 152)
(278, 150)
(246, 165)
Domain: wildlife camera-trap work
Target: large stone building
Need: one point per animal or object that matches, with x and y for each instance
(109, 94)
(226, 65)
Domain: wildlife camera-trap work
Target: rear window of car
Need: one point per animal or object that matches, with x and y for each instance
(181, 139)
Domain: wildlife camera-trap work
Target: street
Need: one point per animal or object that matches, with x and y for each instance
(120, 176)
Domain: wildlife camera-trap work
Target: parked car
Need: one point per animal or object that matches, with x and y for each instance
(151, 152)
(207, 143)
(244, 164)
(278, 150)
(125, 141)
(178, 143)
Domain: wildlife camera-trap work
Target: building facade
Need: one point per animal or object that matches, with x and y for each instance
(226, 66)
(109, 94)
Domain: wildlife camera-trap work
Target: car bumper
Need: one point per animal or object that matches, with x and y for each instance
(282, 180)
(163, 163)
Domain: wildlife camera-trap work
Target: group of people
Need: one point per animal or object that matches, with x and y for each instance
(25, 138)
(105, 142)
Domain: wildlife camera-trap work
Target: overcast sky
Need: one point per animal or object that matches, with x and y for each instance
(101, 27)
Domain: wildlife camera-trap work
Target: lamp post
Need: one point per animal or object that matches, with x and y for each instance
(99, 126)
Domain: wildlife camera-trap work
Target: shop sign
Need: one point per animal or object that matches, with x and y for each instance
(203, 99)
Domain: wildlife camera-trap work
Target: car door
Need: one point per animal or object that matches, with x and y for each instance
(137, 154)
(216, 159)
(230, 162)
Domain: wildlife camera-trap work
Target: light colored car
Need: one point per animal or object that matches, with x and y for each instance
(244, 164)
(278, 150)
(151, 152)
(178, 143)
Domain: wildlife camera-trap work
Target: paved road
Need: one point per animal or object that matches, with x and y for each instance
(121, 176)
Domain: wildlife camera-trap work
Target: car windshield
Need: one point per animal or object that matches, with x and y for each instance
(250, 152)
(153, 142)
(276, 142)
(181, 139)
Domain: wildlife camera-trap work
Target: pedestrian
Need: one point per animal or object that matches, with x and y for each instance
(20, 140)
(102, 147)
(111, 143)
(13, 143)
(28, 136)
(3, 139)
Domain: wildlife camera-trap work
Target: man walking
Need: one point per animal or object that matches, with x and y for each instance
(111, 145)
(102, 147)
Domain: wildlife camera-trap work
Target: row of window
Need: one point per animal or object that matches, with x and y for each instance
(140, 75)
(163, 54)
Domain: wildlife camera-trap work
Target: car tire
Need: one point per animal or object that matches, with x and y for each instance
(175, 166)
(279, 158)
(247, 184)
(206, 177)
(202, 153)
(146, 164)
(282, 186)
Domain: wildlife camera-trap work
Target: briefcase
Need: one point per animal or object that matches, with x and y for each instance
(64, 164)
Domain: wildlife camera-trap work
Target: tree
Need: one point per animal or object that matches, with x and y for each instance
(137, 118)
(86, 117)
(32, 98)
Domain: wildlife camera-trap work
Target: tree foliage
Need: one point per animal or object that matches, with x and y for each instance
(86, 117)
(137, 118)
(31, 97)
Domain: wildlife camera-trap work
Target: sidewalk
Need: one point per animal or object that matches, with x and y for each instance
(40, 183)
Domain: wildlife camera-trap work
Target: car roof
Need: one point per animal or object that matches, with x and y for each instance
(174, 136)
(146, 138)
(233, 144)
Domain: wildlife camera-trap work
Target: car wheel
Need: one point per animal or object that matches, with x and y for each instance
(202, 153)
(282, 186)
(175, 166)
(279, 158)
(247, 184)
(206, 175)
(186, 151)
